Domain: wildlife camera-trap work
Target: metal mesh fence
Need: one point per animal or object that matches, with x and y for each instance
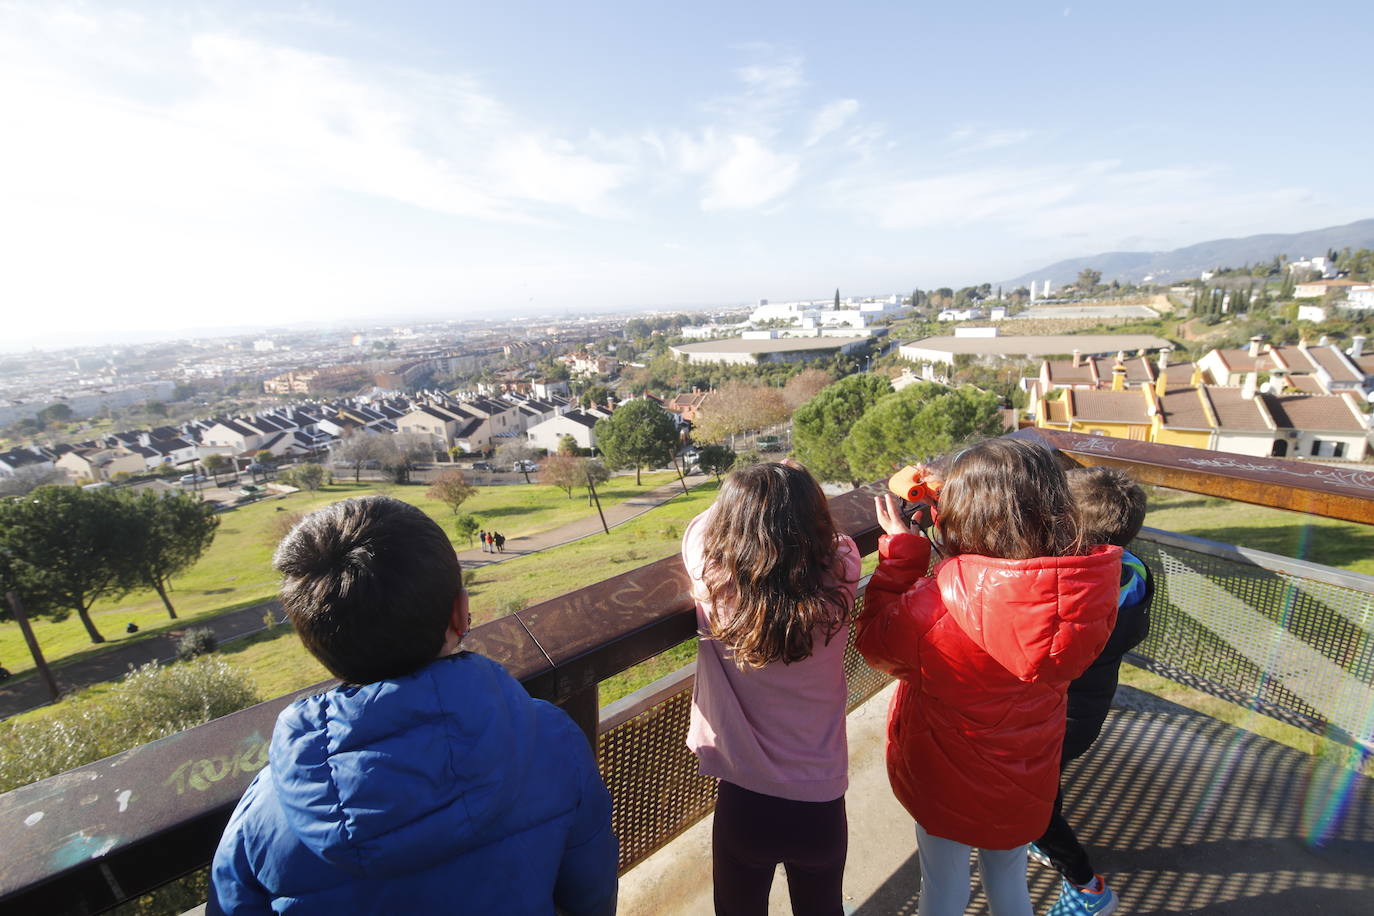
(1290, 639)
(656, 791)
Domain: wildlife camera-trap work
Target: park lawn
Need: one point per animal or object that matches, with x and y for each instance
(237, 569)
(277, 663)
(501, 588)
(1343, 545)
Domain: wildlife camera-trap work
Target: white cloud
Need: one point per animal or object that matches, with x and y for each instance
(830, 119)
(750, 176)
(972, 140)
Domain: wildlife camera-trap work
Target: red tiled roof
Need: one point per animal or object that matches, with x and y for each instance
(1235, 413)
(1064, 372)
(1183, 409)
(1109, 406)
(1330, 359)
(1329, 412)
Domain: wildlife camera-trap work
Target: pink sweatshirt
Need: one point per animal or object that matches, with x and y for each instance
(777, 730)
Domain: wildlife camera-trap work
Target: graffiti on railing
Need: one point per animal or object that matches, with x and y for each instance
(203, 773)
(1348, 476)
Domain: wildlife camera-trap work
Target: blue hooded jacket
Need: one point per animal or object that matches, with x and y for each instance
(447, 790)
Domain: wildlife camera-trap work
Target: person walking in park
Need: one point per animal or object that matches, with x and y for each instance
(774, 585)
(500, 542)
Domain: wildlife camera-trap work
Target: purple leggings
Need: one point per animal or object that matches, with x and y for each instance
(754, 832)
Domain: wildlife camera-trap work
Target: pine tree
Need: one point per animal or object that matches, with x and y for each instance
(837, 297)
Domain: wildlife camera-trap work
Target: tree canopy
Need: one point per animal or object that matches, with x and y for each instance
(67, 548)
(918, 423)
(452, 489)
(637, 434)
(819, 426)
(172, 532)
(737, 407)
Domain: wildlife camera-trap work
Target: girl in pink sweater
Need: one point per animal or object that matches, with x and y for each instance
(774, 586)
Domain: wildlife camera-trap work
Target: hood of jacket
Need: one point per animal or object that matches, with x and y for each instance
(401, 774)
(1030, 615)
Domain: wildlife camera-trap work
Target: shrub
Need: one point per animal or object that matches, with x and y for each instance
(149, 703)
(196, 641)
(283, 523)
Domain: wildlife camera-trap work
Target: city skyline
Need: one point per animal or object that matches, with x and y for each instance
(239, 166)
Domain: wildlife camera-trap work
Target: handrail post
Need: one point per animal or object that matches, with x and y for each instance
(584, 707)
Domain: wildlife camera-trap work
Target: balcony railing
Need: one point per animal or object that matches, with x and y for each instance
(1288, 638)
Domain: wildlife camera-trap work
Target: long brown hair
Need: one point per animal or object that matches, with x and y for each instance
(769, 552)
(1007, 498)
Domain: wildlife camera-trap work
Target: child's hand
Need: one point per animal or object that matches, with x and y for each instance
(889, 516)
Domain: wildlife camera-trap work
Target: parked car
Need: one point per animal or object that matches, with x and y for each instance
(525, 467)
(483, 466)
(770, 444)
(249, 490)
(193, 478)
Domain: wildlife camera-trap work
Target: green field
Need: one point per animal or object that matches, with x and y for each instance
(1344, 545)
(236, 571)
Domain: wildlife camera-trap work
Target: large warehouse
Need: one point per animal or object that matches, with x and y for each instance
(945, 349)
(749, 351)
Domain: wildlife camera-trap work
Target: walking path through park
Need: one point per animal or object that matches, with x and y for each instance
(27, 691)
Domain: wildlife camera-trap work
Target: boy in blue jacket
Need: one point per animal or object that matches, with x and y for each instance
(429, 781)
(1111, 509)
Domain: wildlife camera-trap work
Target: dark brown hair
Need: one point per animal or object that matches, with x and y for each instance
(369, 585)
(1111, 506)
(1007, 498)
(769, 558)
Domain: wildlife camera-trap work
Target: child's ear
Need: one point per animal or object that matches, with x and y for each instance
(461, 621)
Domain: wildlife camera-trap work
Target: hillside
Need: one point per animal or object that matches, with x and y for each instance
(1187, 263)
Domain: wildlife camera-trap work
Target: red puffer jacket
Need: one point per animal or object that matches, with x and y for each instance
(985, 650)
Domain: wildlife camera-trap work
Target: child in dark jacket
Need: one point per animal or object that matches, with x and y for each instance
(430, 781)
(1111, 509)
(984, 651)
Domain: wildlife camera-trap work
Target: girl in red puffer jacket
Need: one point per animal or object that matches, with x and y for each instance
(984, 650)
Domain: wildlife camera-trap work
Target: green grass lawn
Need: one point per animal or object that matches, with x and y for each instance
(278, 663)
(237, 571)
(1344, 545)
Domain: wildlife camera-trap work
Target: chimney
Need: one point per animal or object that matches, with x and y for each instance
(1357, 346)
(1278, 380)
(1078, 359)
(1322, 341)
(1164, 359)
(1118, 377)
(1255, 346)
(1247, 387)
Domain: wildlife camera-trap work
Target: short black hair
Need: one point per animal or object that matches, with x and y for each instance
(369, 584)
(1110, 505)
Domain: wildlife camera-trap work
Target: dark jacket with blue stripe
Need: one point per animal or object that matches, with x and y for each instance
(1090, 694)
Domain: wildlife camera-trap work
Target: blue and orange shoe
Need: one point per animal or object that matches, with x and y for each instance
(1082, 901)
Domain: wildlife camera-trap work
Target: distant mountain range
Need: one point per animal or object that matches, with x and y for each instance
(1187, 263)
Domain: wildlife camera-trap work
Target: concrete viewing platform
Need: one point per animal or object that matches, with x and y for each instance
(1181, 812)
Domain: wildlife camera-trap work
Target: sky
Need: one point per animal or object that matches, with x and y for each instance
(186, 165)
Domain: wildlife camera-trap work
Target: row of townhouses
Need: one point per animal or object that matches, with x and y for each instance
(1312, 404)
(474, 424)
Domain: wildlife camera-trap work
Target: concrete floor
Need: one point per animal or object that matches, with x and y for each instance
(1183, 814)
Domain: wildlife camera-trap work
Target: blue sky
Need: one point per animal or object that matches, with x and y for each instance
(169, 165)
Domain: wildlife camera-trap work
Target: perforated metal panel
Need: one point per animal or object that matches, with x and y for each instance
(1288, 638)
(656, 790)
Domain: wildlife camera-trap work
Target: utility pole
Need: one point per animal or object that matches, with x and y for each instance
(17, 608)
(592, 487)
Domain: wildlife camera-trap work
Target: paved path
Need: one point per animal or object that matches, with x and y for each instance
(27, 691)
